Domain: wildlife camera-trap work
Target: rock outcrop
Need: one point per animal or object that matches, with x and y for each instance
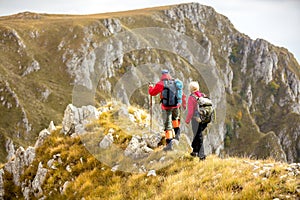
(19, 161)
(1, 184)
(76, 118)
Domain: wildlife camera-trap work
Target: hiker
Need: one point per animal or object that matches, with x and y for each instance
(170, 104)
(193, 115)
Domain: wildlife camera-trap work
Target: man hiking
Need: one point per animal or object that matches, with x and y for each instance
(170, 91)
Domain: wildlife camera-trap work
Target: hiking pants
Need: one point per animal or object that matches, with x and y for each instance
(197, 143)
(168, 115)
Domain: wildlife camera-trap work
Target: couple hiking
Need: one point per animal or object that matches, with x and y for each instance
(172, 99)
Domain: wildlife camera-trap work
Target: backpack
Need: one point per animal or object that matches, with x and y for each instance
(204, 108)
(172, 92)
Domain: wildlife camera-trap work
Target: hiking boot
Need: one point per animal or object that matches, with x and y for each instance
(168, 147)
(177, 133)
(194, 154)
(202, 158)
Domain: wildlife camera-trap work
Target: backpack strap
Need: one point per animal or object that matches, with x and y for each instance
(193, 95)
(202, 104)
(196, 111)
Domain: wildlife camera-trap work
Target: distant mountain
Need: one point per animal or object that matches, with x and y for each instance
(49, 61)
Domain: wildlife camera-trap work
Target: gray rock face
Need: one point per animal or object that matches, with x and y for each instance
(107, 141)
(51, 127)
(10, 149)
(152, 140)
(22, 159)
(265, 62)
(137, 148)
(113, 26)
(34, 187)
(42, 136)
(1, 185)
(39, 180)
(76, 118)
(35, 66)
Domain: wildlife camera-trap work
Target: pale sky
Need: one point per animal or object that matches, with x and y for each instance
(277, 21)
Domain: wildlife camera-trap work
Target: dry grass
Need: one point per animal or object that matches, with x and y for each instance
(185, 178)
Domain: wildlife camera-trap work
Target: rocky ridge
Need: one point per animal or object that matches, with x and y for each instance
(261, 80)
(137, 148)
(74, 123)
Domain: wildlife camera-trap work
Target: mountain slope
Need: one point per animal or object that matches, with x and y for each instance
(48, 61)
(62, 167)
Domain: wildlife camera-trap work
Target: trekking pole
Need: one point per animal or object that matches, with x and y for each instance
(150, 114)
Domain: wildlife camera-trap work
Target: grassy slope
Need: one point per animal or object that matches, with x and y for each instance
(186, 178)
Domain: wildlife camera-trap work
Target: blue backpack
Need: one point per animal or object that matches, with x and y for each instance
(172, 93)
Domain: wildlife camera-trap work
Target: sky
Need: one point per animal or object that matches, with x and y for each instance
(277, 21)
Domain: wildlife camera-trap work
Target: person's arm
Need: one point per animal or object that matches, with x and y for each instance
(203, 95)
(192, 102)
(158, 88)
(183, 101)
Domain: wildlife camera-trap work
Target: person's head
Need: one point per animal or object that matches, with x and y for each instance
(164, 71)
(165, 74)
(194, 86)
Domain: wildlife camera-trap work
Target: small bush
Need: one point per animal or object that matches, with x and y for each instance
(274, 87)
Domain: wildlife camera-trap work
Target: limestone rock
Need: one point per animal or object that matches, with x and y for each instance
(64, 187)
(39, 180)
(77, 118)
(152, 140)
(51, 127)
(137, 148)
(16, 166)
(1, 184)
(42, 136)
(151, 173)
(107, 141)
(113, 25)
(10, 149)
(35, 66)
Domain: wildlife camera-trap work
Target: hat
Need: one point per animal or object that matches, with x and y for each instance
(164, 71)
